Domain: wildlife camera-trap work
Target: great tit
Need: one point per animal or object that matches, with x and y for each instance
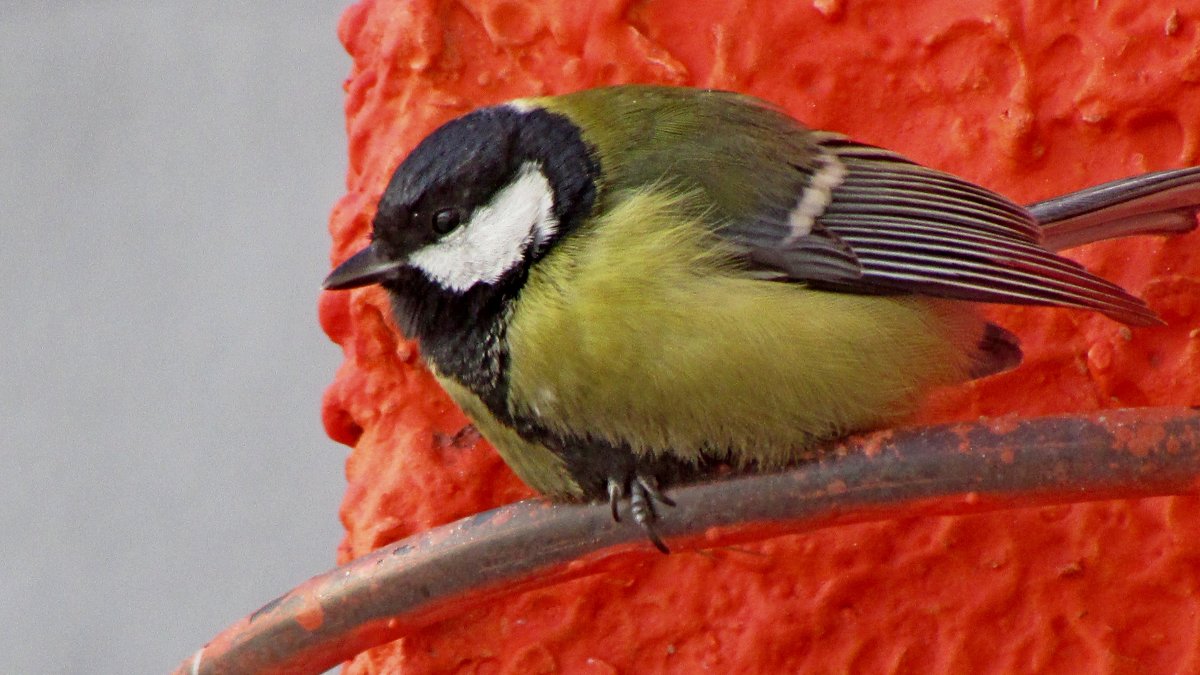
(627, 287)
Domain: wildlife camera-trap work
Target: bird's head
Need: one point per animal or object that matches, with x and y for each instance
(479, 200)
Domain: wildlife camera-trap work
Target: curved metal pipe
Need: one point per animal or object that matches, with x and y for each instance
(950, 469)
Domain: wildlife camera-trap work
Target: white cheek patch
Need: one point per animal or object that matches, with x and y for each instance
(496, 239)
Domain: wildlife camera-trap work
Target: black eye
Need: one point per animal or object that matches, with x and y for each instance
(446, 220)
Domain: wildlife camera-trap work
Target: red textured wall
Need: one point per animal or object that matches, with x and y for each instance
(1031, 98)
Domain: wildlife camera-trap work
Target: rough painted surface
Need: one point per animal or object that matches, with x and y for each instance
(1031, 98)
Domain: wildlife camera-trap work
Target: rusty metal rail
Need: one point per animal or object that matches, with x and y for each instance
(951, 469)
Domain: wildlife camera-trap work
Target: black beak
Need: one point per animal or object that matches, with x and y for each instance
(362, 269)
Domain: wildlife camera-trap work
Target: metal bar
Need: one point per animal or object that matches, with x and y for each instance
(951, 469)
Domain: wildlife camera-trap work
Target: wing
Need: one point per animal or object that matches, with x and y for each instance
(870, 221)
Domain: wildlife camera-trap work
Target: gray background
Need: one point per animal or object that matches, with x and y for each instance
(166, 175)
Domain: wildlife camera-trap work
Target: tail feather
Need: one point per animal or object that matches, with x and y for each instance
(1165, 202)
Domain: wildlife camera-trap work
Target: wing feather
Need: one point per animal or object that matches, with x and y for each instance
(889, 225)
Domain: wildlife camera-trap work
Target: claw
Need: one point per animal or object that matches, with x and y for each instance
(642, 491)
(616, 492)
(642, 494)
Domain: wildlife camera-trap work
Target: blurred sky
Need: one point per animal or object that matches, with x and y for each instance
(166, 174)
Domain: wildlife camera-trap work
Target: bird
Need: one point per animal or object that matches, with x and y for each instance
(630, 287)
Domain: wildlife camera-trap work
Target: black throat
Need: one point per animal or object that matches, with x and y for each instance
(464, 334)
(461, 334)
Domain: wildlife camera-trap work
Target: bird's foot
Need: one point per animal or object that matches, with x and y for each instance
(642, 492)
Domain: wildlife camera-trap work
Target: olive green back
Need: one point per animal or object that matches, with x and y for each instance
(733, 147)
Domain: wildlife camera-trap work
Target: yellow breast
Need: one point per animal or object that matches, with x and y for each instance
(642, 330)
